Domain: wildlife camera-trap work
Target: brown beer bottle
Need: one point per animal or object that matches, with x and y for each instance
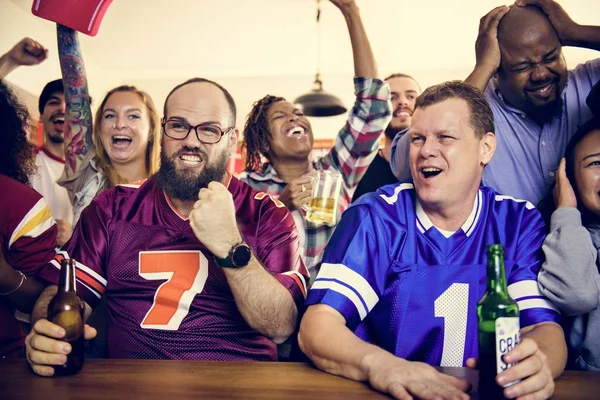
(66, 310)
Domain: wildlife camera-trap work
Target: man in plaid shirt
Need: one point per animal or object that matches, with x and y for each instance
(279, 132)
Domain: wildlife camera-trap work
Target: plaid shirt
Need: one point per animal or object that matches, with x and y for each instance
(354, 149)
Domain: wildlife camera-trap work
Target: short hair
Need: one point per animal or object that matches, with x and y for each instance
(401, 75)
(17, 155)
(256, 132)
(152, 150)
(50, 89)
(228, 97)
(482, 118)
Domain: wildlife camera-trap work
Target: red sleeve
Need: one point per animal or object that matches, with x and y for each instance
(88, 246)
(28, 229)
(278, 248)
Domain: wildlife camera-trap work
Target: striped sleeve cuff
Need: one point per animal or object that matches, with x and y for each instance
(533, 306)
(37, 221)
(295, 283)
(345, 290)
(90, 285)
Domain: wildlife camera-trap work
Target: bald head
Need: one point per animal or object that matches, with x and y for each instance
(532, 71)
(215, 85)
(524, 25)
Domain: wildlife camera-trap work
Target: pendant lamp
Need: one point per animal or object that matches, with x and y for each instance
(318, 103)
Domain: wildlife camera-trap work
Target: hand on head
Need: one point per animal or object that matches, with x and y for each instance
(487, 49)
(560, 20)
(564, 195)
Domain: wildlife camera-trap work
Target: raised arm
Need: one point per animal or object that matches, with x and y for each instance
(357, 142)
(364, 61)
(266, 305)
(78, 121)
(487, 49)
(569, 32)
(26, 52)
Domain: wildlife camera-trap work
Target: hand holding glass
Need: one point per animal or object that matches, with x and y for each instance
(323, 205)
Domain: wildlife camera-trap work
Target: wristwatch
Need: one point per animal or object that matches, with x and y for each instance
(238, 257)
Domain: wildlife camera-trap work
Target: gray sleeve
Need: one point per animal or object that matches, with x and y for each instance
(569, 276)
(399, 156)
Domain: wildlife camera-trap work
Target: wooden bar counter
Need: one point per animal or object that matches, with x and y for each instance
(171, 380)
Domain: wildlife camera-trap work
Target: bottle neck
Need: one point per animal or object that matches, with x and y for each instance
(496, 276)
(66, 282)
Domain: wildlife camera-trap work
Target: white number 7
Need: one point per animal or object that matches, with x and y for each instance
(453, 306)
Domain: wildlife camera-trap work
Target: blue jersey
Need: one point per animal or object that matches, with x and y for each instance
(405, 286)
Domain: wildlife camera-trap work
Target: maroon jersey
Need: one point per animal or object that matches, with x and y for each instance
(27, 237)
(166, 296)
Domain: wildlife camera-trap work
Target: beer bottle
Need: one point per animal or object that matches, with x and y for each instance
(66, 310)
(498, 325)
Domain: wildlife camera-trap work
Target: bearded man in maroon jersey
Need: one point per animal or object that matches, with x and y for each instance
(195, 264)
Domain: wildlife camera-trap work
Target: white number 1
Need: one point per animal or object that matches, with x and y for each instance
(453, 306)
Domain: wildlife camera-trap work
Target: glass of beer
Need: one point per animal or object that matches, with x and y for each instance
(323, 205)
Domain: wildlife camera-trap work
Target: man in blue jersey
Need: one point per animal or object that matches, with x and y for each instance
(406, 266)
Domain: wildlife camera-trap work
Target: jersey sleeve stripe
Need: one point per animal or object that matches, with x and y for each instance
(351, 278)
(83, 274)
(37, 221)
(501, 197)
(299, 279)
(344, 291)
(526, 288)
(63, 254)
(391, 200)
(93, 286)
(88, 271)
(535, 303)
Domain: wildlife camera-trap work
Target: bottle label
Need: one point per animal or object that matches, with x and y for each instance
(507, 338)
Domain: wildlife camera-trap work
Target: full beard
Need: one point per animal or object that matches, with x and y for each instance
(185, 185)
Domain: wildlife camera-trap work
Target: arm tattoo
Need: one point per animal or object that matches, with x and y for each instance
(78, 119)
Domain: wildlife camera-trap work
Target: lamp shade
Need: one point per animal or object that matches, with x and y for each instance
(318, 103)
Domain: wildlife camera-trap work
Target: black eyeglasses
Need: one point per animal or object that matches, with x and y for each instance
(206, 133)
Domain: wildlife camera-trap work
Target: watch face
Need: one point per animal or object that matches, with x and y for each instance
(241, 255)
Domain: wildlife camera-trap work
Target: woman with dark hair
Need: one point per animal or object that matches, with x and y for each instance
(27, 230)
(570, 277)
(278, 132)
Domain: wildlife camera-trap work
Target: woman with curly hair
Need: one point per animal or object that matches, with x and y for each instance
(278, 131)
(27, 230)
(17, 155)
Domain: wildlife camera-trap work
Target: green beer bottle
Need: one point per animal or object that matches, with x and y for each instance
(498, 325)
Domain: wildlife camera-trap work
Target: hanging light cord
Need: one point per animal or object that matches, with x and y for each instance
(318, 85)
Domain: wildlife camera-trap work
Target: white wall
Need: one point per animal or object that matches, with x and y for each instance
(264, 46)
